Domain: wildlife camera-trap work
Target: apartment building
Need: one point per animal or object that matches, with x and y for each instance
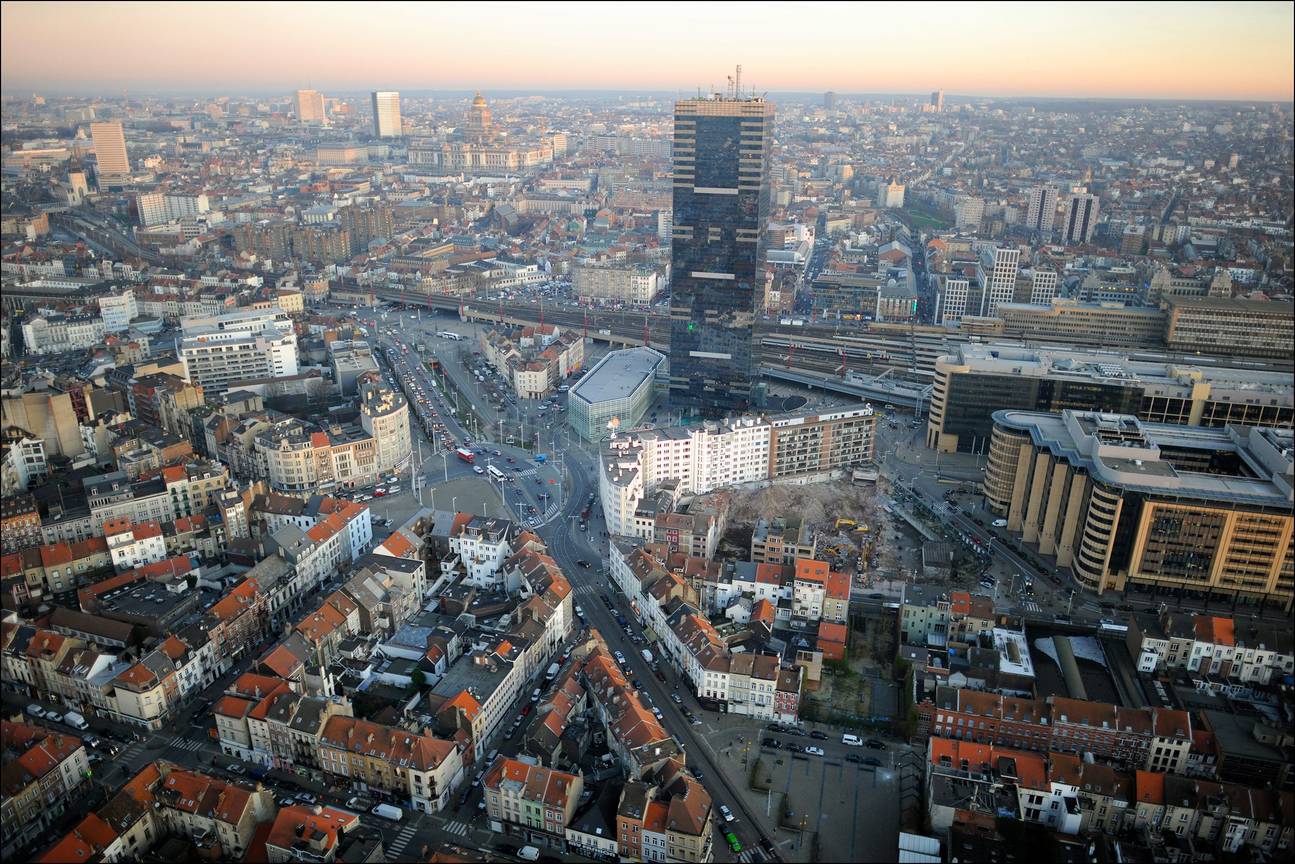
(534, 358)
(977, 380)
(420, 769)
(530, 801)
(1227, 649)
(220, 349)
(43, 770)
(637, 284)
(735, 452)
(997, 270)
(1202, 509)
(782, 540)
(1152, 739)
(134, 545)
(53, 333)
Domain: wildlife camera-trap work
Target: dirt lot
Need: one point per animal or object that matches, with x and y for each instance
(821, 504)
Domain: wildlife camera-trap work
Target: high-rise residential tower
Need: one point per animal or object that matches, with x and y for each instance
(386, 113)
(829, 100)
(937, 100)
(721, 205)
(110, 151)
(1042, 209)
(310, 106)
(1081, 218)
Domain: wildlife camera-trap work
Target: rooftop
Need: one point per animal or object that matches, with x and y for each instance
(618, 375)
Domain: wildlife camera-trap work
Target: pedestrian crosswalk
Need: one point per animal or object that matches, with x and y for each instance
(459, 829)
(1031, 606)
(179, 742)
(585, 589)
(745, 856)
(402, 840)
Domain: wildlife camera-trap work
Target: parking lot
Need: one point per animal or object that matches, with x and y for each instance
(838, 805)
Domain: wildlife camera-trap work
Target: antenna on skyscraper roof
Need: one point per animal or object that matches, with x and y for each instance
(737, 83)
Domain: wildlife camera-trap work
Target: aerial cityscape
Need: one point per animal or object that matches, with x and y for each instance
(824, 432)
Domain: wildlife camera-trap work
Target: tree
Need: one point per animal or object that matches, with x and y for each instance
(419, 679)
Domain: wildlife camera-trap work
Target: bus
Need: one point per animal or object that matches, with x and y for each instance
(495, 474)
(466, 455)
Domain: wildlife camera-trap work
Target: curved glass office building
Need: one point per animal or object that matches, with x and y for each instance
(618, 388)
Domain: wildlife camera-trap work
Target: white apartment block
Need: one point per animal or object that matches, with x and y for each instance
(1043, 287)
(968, 213)
(117, 311)
(997, 273)
(627, 284)
(160, 208)
(953, 299)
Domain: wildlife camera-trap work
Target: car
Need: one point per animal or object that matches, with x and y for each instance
(772, 743)
(585, 564)
(657, 711)
(526, 710)
(733, 842)
(35, 710)
(377, 493)
(873, 761)
(356, 803)
(853, 757)
(696, 772)
(92, 740)
(728, 814)
(305, 797)
(674, 697)
(818, 736)
(874, 744)
(814, 751)
(287, 802)
(54, 716)
(477, 469)
(638, 685)
(492, 756)
(535, 695)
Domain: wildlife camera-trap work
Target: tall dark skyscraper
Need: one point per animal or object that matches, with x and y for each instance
(721, 207)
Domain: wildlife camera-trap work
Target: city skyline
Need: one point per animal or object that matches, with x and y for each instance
(1225, 51)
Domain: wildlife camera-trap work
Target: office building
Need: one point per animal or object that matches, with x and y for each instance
(386, 114)
(1124, 503)
(979, 379)
(829, 100)
(309, 105)
(996, 271)
(615, 394)
(1230, 327)
(1112, 325)
(937, 100)
(1042, 209)
(721, 205)
(1081, 218)
(110, 151)
(350, 361)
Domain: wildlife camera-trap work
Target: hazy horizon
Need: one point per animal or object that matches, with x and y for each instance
(1219, 52)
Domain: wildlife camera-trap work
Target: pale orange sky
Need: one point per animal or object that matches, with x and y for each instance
(1179, 50)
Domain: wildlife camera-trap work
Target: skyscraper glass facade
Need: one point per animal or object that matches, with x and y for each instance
(721, 205)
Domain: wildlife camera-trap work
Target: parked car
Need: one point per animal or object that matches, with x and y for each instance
(818, 736)
(853, 757)
(674, 697)
(728, 814)
(814, 751)
(872, 760)
(772, 743)
(874, 744)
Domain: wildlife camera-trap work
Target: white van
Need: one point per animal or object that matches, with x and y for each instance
(386, 811)
(75, 720)
(528, 853)
(852, 740)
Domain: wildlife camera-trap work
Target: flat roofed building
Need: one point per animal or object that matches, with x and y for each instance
(616, 393)
(1122, 502)
(978, 379)
(1230, 327)
(1067, 321)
